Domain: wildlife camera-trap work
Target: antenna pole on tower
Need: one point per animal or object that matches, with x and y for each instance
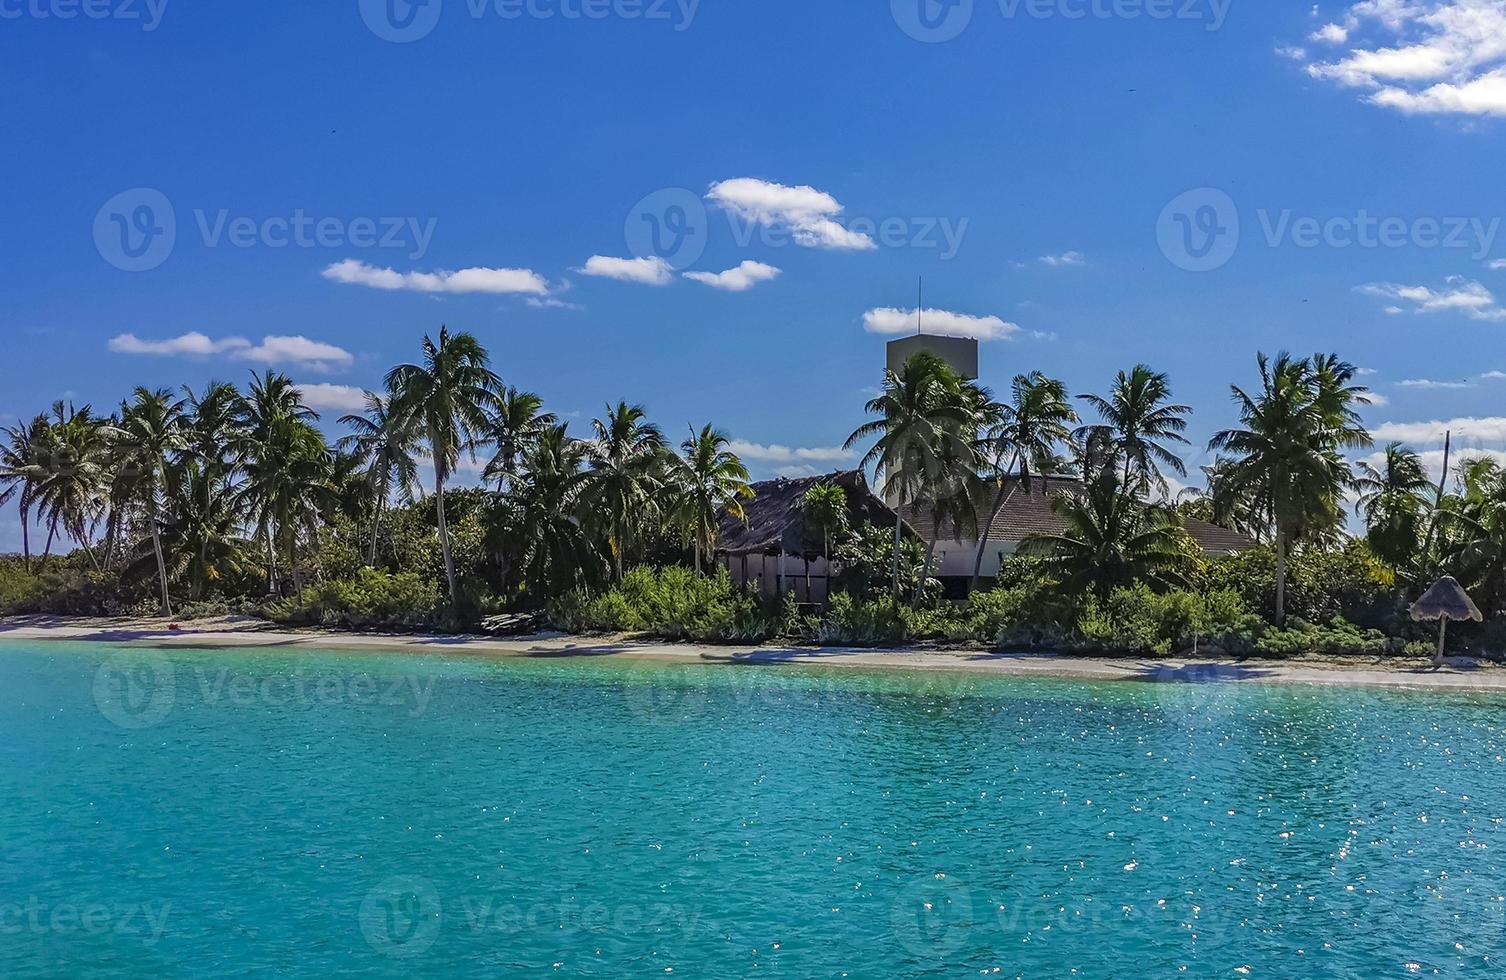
(920, 305)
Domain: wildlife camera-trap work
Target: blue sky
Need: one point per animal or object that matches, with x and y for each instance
(1065, 176)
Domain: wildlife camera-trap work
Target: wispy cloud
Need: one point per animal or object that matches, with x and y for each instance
(1422, 57)
(1063, 260)
(809, 214)
(739, 279)
(754, 452)
(888, 320)
(649, 271)
(1459, 295)
(1466, 430)
(272, 349)
(475, 280)
(1427, 384)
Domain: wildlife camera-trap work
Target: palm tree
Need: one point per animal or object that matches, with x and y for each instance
(447, 397)
(517, 419)
(1113, 539)
(1288, 455)
(1026, 434)
(74, 474)
(385, 444)
(1136, 424)
(825, 509)
(19, 474)
(921, 427)
(1394, 497)
(626, 459)
(556, 550)
(709, 480)
(149, 434)
(201, 525)
(1474, 531)
(287, 488)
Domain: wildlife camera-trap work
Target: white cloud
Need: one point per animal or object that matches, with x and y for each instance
(272, 349)
(1422, 56)
(474, 280)
(1459, 295)
(742, 278)
(1432, 459)
(1428, 385)
(650, 271)
(753, 452)
(1493, 376)
(1377, 400)
(192, 344)
(1496, 264)
(1467, 431)
(1064, 259)
(888, 320)
(1330, 34)
(1292, 52)
(344, 399)
(809, 214)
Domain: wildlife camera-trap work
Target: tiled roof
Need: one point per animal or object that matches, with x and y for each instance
(1029, 513)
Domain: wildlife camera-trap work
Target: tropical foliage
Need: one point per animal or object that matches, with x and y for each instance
(245, 499)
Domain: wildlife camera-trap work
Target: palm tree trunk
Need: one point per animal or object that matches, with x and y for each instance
(1438, 660)
(898, 524)
(52, 528)
(805, 557)
(444, 533)
(26, 541)
(983, 537)
(826, 553)
(376, 525)
(167, 606)
(1280, 577)
(925, 574)
(293, 568)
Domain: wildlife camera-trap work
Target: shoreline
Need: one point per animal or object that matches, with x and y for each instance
(245, 633)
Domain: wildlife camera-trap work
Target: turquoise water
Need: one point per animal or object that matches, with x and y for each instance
(194, 812)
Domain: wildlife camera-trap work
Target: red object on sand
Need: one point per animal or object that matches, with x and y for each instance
(174, 627)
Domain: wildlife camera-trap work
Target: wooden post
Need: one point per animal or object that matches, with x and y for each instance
(1442, 637)
(780, 559)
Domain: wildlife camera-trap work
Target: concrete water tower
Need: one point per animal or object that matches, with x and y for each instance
(958, 353)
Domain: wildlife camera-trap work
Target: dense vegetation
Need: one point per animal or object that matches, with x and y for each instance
(185, 503)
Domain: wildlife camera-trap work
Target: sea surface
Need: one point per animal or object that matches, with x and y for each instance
(175, 812)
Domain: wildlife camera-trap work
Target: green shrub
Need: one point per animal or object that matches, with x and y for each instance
(1257, 638)
(675, 603)
(372, 599)
(859, 622)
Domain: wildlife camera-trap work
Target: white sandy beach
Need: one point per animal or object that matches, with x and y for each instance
(242, 633)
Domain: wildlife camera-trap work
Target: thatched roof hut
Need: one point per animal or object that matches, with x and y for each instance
(774, 520)
(1445, 601)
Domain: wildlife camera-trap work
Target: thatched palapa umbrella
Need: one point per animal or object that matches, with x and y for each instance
(1446, 600)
